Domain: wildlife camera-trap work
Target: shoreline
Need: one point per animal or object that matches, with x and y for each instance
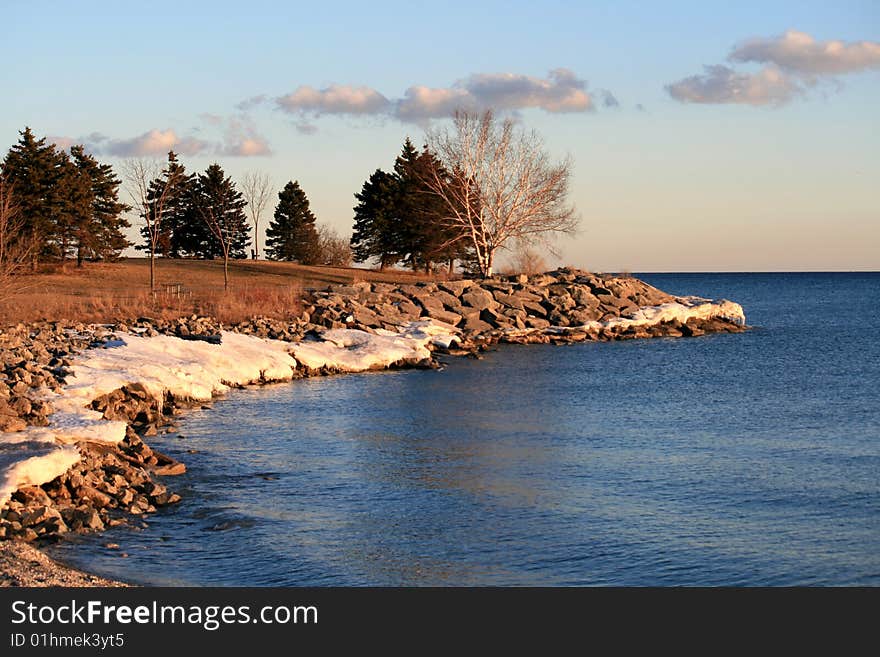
(117, 477)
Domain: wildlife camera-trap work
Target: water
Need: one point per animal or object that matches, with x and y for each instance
(749, 459)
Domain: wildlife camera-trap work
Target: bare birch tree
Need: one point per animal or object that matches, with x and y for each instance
(139, 176)
(256, 188)
(16, 245)
(498, 185)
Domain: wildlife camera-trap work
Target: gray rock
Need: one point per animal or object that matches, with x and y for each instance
(455, 287)
(478, 298)
(536, 322)
(444, 316)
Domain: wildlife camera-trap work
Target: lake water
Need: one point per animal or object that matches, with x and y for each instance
(749, 459)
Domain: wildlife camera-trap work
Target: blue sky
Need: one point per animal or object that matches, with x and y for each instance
(681, 174)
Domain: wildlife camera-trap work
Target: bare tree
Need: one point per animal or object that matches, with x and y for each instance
(139, 175)
(333, 250)
(499, 184)
(16, 245)
(256, 188)
(226, 233)
(527, 259)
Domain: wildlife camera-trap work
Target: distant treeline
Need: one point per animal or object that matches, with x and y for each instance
(475, 188)
(68, 206)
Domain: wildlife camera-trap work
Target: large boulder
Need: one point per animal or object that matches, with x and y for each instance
(478, 298)
(443, 315)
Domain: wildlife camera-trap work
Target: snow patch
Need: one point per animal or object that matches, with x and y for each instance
(187, 368)
(47, 464)
(683, 309)
(350, 350)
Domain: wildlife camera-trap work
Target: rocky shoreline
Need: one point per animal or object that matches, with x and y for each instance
(113, 483)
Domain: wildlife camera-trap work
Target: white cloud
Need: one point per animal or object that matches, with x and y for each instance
(247, 147)
(154, 143)
(335, 99)
(560, 91)
(241, 138)
(250, 103)
(793, 61)
(720, 84)
(422, 103)
(800, 52)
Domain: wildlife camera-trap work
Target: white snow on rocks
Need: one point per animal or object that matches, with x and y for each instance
(350, 350)
(191, 369)
(32, 466)
(683, 309)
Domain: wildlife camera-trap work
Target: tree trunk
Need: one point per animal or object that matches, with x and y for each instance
(79, 256)
(152, 270)
(225, 272)
(451, 269)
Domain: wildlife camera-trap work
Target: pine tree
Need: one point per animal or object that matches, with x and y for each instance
(181, 231)
(425, 234)
(291, 234)
(399, 219)
(375, 232)
(100, 220)
(221, 208)
(35, 171)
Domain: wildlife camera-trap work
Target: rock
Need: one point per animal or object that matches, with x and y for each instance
(12, 423)
(534, 308)
(478, 298)
(455, 288)
(39, 515)
(493, 318)
(444, 316)
(32, 496)
(21, 405)
(94, 496)
(471, 321)
(536, 322)
(364, 316)
(28, 534)
(172, 469)
(579, 317)
(583, 297)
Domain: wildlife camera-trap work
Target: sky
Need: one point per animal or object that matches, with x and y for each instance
(705, 136)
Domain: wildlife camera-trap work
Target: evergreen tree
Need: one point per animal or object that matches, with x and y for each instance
(398, 217)
(220, 207)
(375, 220)
(425, 234)
(99, 213)
(291, 234)
(36, 172)
(181, 231)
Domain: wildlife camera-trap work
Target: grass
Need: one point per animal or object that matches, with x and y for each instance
(106, 292)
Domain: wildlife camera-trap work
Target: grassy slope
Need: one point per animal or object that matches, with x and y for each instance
(106, 292)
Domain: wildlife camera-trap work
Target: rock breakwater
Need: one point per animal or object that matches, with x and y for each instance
(66, 387)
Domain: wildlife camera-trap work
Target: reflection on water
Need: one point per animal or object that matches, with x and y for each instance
(731, 459)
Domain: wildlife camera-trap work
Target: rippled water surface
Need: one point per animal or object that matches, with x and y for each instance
(728, 459)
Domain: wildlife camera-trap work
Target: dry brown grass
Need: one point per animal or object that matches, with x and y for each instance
(105, 292)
